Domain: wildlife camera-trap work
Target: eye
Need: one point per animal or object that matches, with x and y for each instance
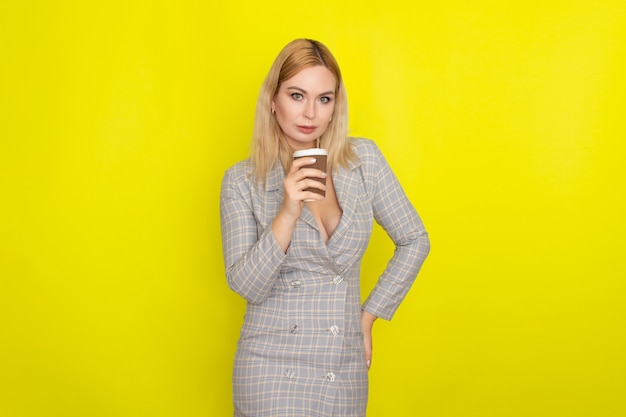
(297, 96)
(325, 99)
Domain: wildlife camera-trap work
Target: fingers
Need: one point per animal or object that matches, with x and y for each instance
(300, 168)
(304, 190)
(300, 181)
(300, 178)
(367, 323)
(301, 162)
(367, 345)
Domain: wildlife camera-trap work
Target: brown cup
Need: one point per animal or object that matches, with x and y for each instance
(320, 156)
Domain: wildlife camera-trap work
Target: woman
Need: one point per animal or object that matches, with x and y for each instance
(306, 342)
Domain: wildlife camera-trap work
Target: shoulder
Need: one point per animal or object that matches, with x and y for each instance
(237, 175)
(366, 150)
(240, 168)
(362, 145)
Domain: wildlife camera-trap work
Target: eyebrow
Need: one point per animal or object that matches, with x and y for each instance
(305, 92)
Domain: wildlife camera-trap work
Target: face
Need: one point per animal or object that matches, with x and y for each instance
(304, 105)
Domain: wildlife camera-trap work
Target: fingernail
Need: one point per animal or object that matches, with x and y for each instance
(368, 363)
(312, 160)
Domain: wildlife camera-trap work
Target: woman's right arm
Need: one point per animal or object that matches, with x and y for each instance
(252, 261)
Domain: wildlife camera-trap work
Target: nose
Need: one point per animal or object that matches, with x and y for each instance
(309, 109)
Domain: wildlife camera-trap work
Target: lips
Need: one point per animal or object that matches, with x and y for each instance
(306, 129)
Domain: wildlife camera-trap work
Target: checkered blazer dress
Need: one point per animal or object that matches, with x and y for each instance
(300, 352)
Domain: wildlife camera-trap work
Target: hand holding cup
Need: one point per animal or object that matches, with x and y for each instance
(320, 156)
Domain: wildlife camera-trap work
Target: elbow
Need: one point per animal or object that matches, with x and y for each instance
(248, 292)
(424, 244)
(418, 245)
(422, 248)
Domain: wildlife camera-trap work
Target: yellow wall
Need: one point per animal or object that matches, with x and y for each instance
(504, 121)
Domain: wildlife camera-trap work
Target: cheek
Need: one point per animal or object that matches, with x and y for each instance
(328, 113)
(284, 110)
(280, 119)
(285, 118)
(325, 122)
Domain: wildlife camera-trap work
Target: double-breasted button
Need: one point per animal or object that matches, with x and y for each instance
(334, 330)
(290, 373)
(338, 280)
(293, 329)
(330, 377)
(296, 284)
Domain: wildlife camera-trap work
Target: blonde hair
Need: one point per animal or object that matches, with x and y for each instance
(268, 142)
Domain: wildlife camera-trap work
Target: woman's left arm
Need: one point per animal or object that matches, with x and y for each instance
(395, 213)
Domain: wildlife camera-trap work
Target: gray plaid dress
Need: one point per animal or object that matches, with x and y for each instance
(300, 352)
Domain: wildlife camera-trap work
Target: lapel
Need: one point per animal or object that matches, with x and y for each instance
(348, 187)
(274, 183)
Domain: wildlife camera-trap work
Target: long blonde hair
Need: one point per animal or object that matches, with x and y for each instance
(268, 142)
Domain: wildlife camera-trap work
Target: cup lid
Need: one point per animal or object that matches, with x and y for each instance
(310, 152)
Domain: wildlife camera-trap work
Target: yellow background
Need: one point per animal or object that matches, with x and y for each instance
(503, 120)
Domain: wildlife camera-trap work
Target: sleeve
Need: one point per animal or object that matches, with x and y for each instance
(397, 216)
(252, 262)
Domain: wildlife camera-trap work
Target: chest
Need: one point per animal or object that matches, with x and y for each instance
(349, 218)
(327, 213)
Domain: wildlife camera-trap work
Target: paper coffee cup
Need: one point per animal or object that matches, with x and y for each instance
(320, 156)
